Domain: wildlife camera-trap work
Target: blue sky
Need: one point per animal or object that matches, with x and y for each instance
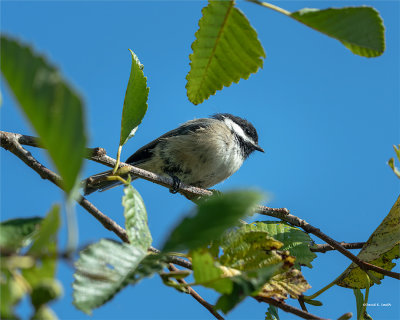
(326, 118)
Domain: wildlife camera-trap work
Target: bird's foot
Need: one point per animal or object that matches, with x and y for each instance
(176, 185)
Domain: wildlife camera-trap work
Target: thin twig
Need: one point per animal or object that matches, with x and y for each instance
(34, 142)
(288, 308)
(195, 295)
(296, 221)
(271, 6)
(322, 248)
(302, 304)
(193, 192)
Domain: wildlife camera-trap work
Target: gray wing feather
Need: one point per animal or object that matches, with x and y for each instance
(145, 152)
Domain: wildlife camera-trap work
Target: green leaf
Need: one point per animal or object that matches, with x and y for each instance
(47, 232)
(18, 233)
(316, 303)
(207, 274)
(359, 29)
(361, 310)
(45, 291)
(52, 107)
(136, 218)
(212, 217)
(346, 316)
(135, 103)
(246, 284)
(272, 313)
(296, 241)
(226, 49)
(103, 269)
(246, 249)
(44, 247)
(151, 264)
(359, 302)
(380, 249)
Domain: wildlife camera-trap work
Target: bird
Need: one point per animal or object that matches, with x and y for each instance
(201, 152)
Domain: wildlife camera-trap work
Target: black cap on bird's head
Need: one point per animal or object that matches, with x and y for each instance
(243, 130)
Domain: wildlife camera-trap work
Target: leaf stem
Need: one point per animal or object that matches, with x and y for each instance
(118, 159)
(177, 254)
(119, 178)
(271, 6)
(313, 296)
(72, 226)
(364, 308)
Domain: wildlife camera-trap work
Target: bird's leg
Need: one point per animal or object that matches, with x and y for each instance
(176, 185)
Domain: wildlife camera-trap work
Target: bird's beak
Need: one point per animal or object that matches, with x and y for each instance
(258, 148)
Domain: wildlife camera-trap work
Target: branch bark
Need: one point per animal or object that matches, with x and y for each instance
(322, 248)
(288, 308)
(196, 296)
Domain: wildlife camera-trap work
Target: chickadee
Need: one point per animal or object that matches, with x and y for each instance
(200, 152)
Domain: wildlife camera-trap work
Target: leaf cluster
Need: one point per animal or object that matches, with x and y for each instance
(28, 264)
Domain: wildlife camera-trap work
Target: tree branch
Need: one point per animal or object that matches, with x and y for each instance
(98, 155)
(322, 248)
(288, 308)
(302, 304)
(34, 142)
(195, 295)
(296, 221)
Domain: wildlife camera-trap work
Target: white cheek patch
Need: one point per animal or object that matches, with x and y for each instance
(238, 130)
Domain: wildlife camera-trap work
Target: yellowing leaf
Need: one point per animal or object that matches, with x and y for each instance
(380, 249)
(289, 284)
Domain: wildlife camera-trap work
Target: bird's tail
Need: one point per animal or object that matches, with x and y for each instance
(99, 182)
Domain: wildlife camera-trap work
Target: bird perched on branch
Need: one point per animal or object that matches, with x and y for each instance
(200, 152)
